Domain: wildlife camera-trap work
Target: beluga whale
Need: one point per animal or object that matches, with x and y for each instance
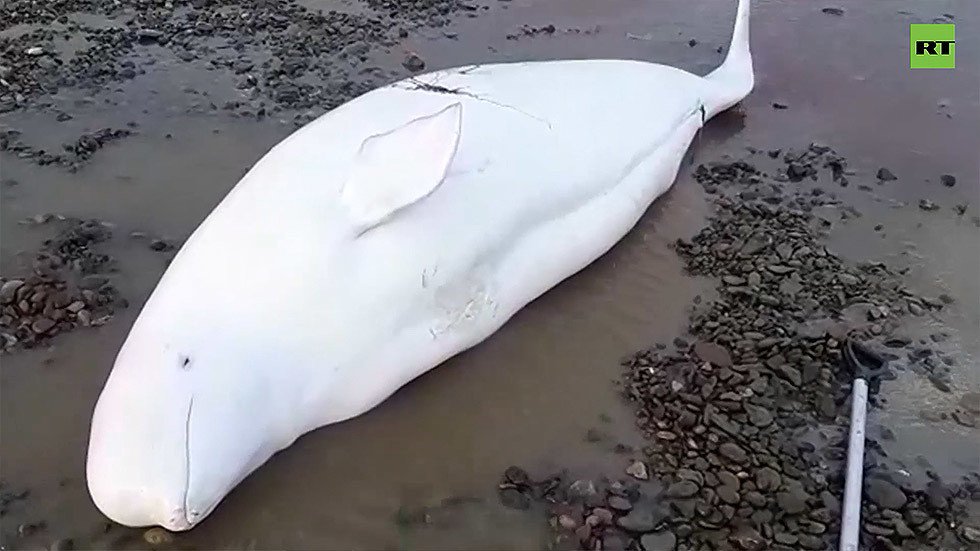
(390, 234)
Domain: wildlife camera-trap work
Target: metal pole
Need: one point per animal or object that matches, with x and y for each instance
(850, 530)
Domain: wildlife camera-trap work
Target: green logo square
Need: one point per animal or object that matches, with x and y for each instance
(932, 46)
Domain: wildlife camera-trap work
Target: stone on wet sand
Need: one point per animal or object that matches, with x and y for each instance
(885, 494)
(413, 63)
(886, 175)
(638, 470)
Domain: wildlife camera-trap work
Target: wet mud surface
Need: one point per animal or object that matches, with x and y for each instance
(122, 124)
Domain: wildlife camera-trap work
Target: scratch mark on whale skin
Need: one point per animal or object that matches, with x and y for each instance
(436, 88)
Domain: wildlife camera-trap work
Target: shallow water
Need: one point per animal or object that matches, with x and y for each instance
(530, 393)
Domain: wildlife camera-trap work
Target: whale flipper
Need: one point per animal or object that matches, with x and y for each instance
(400, 167)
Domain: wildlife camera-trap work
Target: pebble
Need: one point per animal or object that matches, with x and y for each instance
(733, 452)
(567, 522)
(582, 489)
(638, 470)
(833, 11)
(712, 353)
(157, 537)
(792, 502)
(810, 542)
(758, 416)
(682, 489)
(768, 479)
(885, 494)
(9, 289)
(948, 180)
(728, 494)
(658, 541)
(886, 175)
(786, 538)
(413, 63)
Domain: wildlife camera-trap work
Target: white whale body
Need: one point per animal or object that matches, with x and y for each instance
(390, 234)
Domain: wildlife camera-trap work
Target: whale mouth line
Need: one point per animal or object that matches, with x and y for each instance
(185, 510)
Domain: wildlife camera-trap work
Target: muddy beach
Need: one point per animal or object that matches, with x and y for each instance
(122, 124)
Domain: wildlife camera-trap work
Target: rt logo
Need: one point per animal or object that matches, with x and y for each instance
(932, 46)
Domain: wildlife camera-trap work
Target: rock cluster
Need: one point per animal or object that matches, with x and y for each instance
(67, 289)
(281, 50)
(74, 154)
(746, 417)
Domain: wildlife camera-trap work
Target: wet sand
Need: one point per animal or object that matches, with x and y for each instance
(530, 393)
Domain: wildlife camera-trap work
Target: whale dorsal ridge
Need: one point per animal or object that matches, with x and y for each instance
(400, 167)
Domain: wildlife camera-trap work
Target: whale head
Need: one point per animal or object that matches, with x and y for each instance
(181, 421)
(201, 394)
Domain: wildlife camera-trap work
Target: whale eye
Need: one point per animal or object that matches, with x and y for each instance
(185, 362)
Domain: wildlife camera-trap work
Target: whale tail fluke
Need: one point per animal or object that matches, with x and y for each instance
(734, 78)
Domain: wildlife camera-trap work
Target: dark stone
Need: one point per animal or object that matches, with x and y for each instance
(614, 541)
(833, 11)
(581, 490)
(884, 494)
(758, 416)
(810, 542)
(728, 494)
(948, 180)
(712, 353)
(618, 503)
(937, 495)
(517, 475)
(786, 538)
(733, 452)
(682, 489)
(413, 63)
(42, 325)
(886, 175)
(790, 374)
(793, 501)
(659, 541)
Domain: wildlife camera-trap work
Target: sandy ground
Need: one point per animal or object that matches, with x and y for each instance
(529, 394)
